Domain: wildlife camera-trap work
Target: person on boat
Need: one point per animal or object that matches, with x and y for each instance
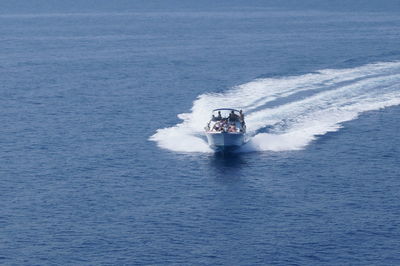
(220, 126)
(217, 126)
(223, 124)
(219, 117)
(233, 117)
(241, 118)
(213, 118)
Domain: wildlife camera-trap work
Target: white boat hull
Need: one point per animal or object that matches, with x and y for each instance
(225, 140)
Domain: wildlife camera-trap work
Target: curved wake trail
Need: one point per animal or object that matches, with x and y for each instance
(288, 113)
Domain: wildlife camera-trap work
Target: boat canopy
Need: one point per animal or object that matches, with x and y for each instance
(226, 109)
(225, 112)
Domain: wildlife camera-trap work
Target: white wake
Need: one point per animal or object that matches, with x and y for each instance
(287, 113)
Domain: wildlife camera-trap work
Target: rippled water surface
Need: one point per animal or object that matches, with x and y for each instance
(102, 155)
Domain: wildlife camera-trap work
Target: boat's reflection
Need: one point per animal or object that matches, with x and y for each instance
(223, 162)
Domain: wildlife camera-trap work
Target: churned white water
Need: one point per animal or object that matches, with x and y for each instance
(287, 113)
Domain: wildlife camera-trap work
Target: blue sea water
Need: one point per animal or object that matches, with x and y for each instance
(102, 158)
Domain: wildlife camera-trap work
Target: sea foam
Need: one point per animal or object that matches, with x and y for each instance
(287, 113)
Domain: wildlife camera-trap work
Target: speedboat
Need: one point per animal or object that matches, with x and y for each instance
(226, 130)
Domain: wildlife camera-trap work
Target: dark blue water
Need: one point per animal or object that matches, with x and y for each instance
(84, 86)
